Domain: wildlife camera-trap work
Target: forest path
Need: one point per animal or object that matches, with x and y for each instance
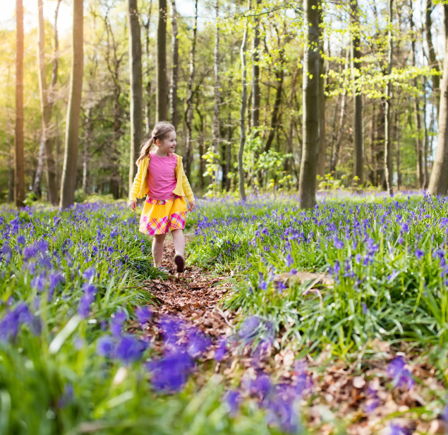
(193, 295)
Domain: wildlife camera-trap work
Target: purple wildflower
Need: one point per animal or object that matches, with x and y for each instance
(170, 373)
(289, 260)
(232, 398)
(249, 329)
(197, 343)
(11, 322)
(105, 346)
(86, 300)
(419, 254)
(89, 273)
(129, 349)
(221, 349)
(143, 314)
(116, 323)
(399, 373)
(263, 285)
(39, 281)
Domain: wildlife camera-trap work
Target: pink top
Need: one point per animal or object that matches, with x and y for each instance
(162, 177)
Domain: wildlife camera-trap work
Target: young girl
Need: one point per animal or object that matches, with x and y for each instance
(161, 177)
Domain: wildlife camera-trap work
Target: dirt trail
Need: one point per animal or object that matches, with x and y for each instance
(193, 295)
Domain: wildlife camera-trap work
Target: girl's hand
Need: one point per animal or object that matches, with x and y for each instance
(191, 206)
(132, 204)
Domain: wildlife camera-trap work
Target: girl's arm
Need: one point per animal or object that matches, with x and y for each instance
(136, 185)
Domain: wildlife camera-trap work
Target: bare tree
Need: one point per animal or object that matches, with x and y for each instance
(215, 129)
(388, 111)
(431, 51)
(311, 66)
(241, 174)
(175, 67)
(162, 87)
(189, 111)
(256, 72)
(438, 183)
(74, 106)
(135, 55)
(148, 120)
(19, 173)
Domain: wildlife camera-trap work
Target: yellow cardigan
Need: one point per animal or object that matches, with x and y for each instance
(140, 186)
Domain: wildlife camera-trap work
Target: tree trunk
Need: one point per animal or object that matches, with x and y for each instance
(228, 151)
(256, 73)
(418, 141)
(175, 68)
(86, 151)
(37, 184)
(215, 129)
(322, 122)
(161, 90)
(339, 136)
(357, 99)
(279, 75)
(397, 124)
(46, 106)
(289, 148)
(311, 63)
(388, 113)
(432, 53)
(74, 105)
(189, 111)
(425, 142)
(10, 158)
(148, 121)
(242, 116)
(19, 173)
(135, 55)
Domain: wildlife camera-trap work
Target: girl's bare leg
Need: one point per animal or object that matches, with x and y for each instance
(157, 248)
(179, 242)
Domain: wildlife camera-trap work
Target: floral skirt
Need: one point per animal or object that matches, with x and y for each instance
(163, 216)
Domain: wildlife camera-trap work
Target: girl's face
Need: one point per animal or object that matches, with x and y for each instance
(168, 144)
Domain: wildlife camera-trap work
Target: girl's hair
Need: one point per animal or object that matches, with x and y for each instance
(160, 131)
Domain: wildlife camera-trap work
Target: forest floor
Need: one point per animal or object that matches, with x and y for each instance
(349, 389)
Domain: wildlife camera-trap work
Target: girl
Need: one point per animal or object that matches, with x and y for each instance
(161, 177)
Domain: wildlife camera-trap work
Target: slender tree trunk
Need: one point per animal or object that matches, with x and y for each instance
(46, 105)
(432, 53)
(279, 75)
(357, 99)
(372, 148)
(74, 106)
(397, 124)
(418, 141)
(10, 159)
(241, 174)
(86, 151)
(19, 174)
(161, 90)
(334, 131)
(189, 111)
(289, 149)
(175, 68)
(311, 63)
(148, 121)
(340, 134)
(228, 151)
(256, 73)
(388, 114)
(135, 55)
(37, 184)
(201, 131)
(322, 121)
(425, 142)
(215, 129)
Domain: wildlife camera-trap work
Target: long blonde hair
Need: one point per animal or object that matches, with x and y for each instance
(160, 131)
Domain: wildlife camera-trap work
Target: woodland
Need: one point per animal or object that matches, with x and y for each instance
(315, 294)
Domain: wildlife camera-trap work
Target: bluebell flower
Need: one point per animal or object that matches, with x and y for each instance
(14, 319)
(86, 300)
(263, 285)
(170, 373)
(67, 396)
(116, 322)
(419, 254)
(281, 286)
(232, 398)
(221, 349)
(395, 429)
(400, 375)
(289, 260)
(250, 328)
(105, 346)
(129, 349)
(39, 281)
(143, 314)
(197, 343)
(364, 308)
(89, 273)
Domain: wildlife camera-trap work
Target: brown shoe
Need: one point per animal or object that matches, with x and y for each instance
(179, 260)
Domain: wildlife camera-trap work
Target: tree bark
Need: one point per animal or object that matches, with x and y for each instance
(322, 121)
(74, 106)
(86, 151)
(388, 113)
(339, 136)
(357, 99)
(431, 52)
(161, 90)
(311, 64)
(45, 151)
(397, 126)
(241, 174)
(148, 120)
(425, 142)
(438, 184)
(215, 129)
(256, 96)
(418, 141)
(19, 174)
(175, 68)
(189, 111)
(135, 55)
(289, 148)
